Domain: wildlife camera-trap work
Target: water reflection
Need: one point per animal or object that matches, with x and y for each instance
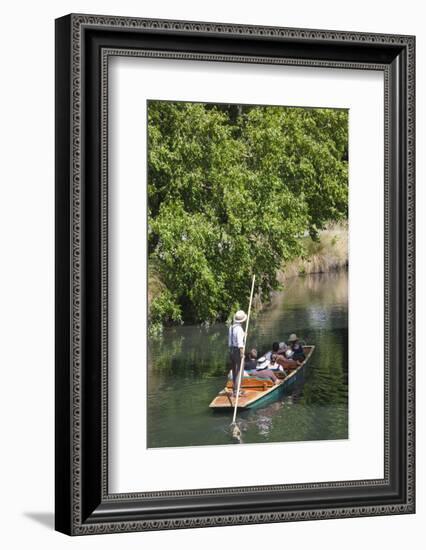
(187, 366)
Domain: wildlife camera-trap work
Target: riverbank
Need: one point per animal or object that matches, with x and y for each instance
(329, 253)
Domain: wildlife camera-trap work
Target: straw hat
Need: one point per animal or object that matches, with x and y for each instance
(292, 338)
(262, 363)
(240, 316)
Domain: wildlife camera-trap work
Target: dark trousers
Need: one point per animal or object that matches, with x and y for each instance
(235, 366)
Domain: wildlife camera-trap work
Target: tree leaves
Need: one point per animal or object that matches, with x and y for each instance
(230, 193)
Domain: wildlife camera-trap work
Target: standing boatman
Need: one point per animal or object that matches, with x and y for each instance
(236, 347)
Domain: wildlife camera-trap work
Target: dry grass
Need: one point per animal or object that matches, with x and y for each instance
(330, 253)
(155, 284)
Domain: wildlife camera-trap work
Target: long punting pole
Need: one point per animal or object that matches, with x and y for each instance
(244, 350)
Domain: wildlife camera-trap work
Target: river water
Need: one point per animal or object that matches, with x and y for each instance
(187, 367)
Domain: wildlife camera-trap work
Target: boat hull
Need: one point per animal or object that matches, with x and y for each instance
(255, 397)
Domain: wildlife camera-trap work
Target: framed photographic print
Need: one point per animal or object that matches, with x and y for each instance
(234, 274)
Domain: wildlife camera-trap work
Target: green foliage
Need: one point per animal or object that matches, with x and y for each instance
(305, 150)
(231, 189)
(164, 309)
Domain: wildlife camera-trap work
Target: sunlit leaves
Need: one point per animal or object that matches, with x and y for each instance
(231, 189)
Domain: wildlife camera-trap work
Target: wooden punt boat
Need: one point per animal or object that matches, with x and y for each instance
(259, 391)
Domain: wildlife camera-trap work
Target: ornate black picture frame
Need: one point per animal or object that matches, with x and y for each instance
(84, 44)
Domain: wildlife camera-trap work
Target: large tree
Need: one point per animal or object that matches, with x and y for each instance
(230, 193)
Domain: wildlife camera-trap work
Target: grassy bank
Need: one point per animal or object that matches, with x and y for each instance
(329, 253)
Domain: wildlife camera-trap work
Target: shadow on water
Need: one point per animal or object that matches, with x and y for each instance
(188, 366)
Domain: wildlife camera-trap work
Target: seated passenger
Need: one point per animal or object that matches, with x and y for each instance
(282, 348)
(278, 362)
(275, 363)
(275, 348)
(286, 361)
(296, 347)
(262, 370)
(251, 361)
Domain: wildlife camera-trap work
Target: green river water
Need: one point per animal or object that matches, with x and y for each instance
(187, 367)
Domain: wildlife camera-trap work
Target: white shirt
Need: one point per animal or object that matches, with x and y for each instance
(236, 336)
